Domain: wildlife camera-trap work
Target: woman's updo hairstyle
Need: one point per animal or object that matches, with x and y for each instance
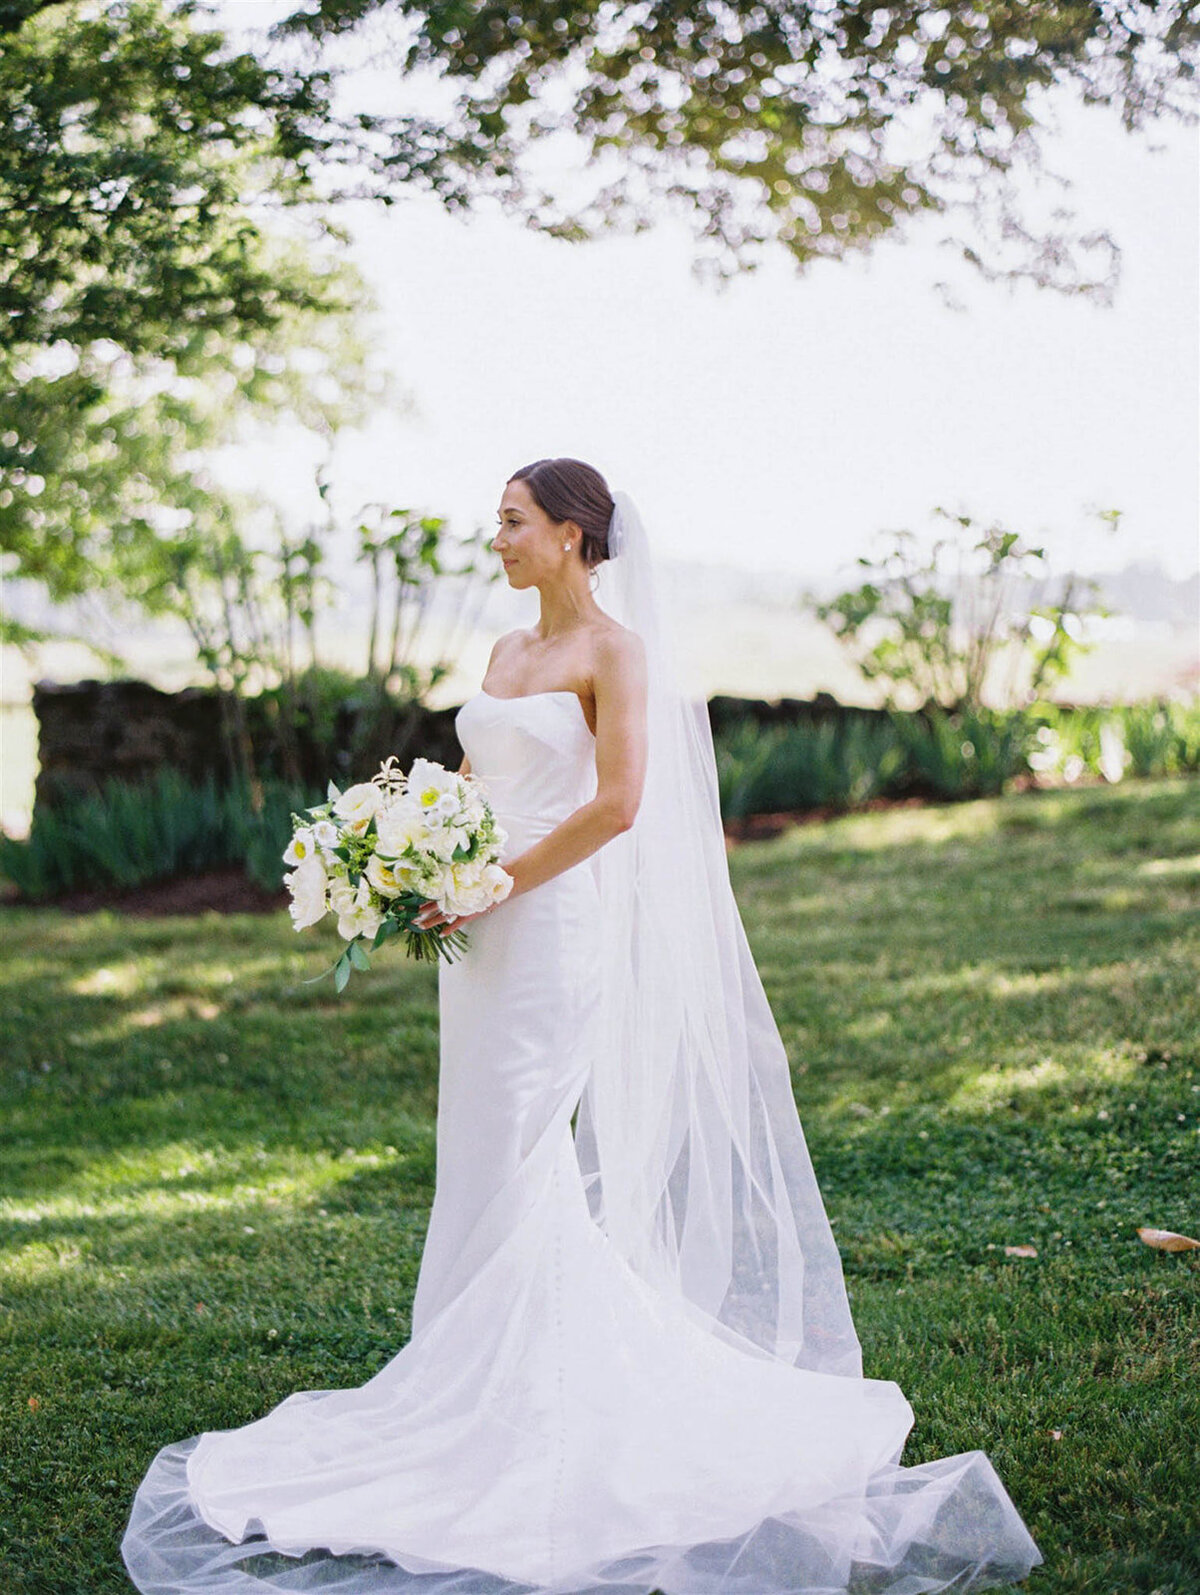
(570, 490)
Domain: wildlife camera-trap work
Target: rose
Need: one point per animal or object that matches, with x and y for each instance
(388, 878)
(472, 888)
(358, 805)
(307, 885)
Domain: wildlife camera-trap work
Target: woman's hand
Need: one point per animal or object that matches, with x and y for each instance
(430, 917)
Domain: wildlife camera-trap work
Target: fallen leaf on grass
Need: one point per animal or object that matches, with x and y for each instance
(1056, 1434)
(1020, 1251)
(1166, 1240)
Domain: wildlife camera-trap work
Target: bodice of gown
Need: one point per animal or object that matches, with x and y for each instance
(536, 756)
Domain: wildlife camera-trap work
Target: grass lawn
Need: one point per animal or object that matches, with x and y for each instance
(216, 1178)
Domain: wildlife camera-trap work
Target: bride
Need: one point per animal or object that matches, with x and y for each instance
(632, 1364)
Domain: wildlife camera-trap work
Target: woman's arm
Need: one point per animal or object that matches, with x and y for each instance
(619, 684)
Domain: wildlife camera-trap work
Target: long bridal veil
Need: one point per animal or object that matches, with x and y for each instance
(688, 1135)
(696, 1165)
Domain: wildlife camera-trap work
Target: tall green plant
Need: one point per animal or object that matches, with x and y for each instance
(975, 620)
(127, 835)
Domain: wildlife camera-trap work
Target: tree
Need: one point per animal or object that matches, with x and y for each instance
(154, 297)
(976, 620)
(769, 119)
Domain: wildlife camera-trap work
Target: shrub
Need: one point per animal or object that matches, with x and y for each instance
(127, 835)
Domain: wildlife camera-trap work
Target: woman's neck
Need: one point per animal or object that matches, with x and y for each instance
(564, 607)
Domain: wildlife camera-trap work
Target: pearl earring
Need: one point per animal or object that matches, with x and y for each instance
(566, 548)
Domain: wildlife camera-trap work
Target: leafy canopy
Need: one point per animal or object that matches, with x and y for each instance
(161, 283)
(822, 126)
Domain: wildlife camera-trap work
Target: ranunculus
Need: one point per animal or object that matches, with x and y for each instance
(384, 877)
(358, 806)
(307, 885)
(470, 889)
(498, 881)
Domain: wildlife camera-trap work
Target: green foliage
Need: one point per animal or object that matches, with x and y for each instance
(135, 141)
(971, 621)
(253, 613)
(769, 122)
(1156, 738)
(128, 835)
(147, 312)
(833, 763)
(216, 1178)
(847, 759)
(970, 753)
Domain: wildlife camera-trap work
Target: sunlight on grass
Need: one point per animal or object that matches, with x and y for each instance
(1079, 1074)
(156, 1183)
(122, 981)
(902, 827)
(218, 1178)
(1171, 866)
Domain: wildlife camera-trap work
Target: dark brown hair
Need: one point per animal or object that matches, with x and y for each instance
(570, 490)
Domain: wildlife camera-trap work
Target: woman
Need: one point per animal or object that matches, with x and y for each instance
(632, 1362)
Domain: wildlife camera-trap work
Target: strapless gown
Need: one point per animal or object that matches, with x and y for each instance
(554, 1423)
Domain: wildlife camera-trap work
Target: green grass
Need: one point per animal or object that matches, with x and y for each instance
(217, 1177)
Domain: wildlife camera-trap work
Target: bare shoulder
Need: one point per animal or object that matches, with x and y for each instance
(619, 655)
(506, 643)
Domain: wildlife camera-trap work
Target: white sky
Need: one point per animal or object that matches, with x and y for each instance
(784, 421)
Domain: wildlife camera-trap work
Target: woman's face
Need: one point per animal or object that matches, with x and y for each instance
(528, 541)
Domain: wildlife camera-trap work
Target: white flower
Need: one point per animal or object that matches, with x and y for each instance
(443, 843)
(387, 879)
(430, 783)
(326, 835)
(400, 826)
(341, 896)
(472, 888)
(307, 885)
(361, 917)
(498, 881)
(303, 845)
(358, 806)
(445, 807)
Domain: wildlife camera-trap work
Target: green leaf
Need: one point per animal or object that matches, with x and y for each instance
(358, 955)
(341, 972)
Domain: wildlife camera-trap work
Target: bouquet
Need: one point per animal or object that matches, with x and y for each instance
(376, 852)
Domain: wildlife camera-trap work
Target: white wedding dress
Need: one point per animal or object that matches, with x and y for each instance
(555, 1423)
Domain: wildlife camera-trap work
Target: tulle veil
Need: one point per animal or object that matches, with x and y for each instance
(688, 1135)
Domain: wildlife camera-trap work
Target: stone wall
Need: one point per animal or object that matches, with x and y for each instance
(95, 731)
(90, 732)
